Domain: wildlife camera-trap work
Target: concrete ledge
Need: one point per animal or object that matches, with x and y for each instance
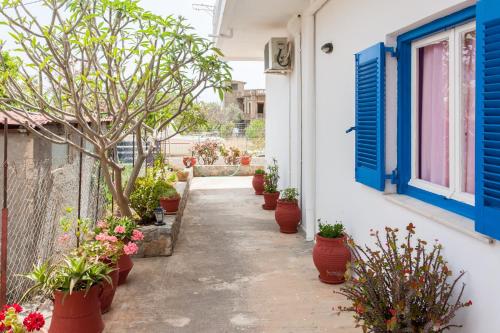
(225, 170)
(159, 241)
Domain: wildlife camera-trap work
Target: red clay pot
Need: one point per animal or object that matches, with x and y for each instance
(171, 206)
(109, 289)
(78, 312)
(288, 216)
(330, 256)
(270, 200)
(258, 184)
(245, 160)
(189, 161)
(125, 265)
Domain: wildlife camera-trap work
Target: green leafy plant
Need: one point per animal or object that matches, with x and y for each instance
(206, 151)
(231, 156)
(146, 195)
(271, 178)
(79, 228)
(289, 194)
(260, 172)
(331, 231)
(170, 193)
(75, 272)
(402, 286)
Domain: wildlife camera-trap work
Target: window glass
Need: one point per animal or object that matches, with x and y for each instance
(433, 113)
(468, 96)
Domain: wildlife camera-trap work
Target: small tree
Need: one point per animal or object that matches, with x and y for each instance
(100, 68)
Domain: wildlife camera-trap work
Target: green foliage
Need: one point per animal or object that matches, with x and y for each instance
(9, 67)
(256, 129)
(73, 273)
(402, 286)
(271, 178)
(289, 194)
(206, 151)
(70, 224)
(110, 224)
(260, 172)
(146, 195)
(331, 231)
(169, 193)
(231, 156)
(221, 119)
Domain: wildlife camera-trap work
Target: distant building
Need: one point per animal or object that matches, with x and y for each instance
(252, 102)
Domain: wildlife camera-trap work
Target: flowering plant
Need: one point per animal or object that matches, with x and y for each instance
(70, 225)
(122, 229)
(402, 287)
(10, 320)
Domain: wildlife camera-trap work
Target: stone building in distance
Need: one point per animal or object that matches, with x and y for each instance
(250, 101)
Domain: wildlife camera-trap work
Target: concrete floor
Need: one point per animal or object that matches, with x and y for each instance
(232, 271)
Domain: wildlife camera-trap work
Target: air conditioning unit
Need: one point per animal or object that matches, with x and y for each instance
(278, 56)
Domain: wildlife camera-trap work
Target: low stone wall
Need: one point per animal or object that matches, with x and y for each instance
(159, 241)
(225, 170)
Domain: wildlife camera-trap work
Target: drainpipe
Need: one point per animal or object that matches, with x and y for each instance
(308, 125)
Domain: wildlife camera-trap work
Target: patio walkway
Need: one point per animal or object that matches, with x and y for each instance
(232, 271)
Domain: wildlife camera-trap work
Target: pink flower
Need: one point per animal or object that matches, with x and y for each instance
(137, 235)
(101, 237)
(120, 229)
(63, 239)
(130, 248)
(102, 224)
(111, 239)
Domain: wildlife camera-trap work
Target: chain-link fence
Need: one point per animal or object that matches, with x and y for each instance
(38, 191)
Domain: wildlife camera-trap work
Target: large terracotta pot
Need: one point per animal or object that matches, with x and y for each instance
(270, 200)
(78, 312)
(288, 216)
(330, 256)
(258, 184)
(170, 206)
(109, 290)
(189, 161)
(245, 160)
(125, 265)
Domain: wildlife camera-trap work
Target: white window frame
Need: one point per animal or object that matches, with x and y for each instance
(456, 109)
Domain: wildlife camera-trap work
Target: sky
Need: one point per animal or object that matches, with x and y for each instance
(251, 72)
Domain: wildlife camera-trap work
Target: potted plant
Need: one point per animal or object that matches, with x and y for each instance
(258, 181)
(206, 151)
(10, 320)
(246, 159)
(331, 253)
(146, 195)
(189, 161)
(124, 230)
(169, 200)
(231, 156)
(287, 212)
(74, 284)
(182, 175)
(402, 286)
(271, 193)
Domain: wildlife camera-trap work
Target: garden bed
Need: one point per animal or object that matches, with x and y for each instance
(159, 241)
(225, 170)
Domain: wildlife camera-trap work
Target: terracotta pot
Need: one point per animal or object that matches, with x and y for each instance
(125, 265)
(245, 160)
(189, 161)
(258, 184)
(171, 206)
(330, 256)
(270, 200)
(288, 216)
(109, 289)
(78, 312)
(182, 176)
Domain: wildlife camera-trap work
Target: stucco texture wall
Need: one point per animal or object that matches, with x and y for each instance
(353, 26)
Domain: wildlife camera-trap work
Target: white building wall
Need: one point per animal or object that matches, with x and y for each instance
(353, 26)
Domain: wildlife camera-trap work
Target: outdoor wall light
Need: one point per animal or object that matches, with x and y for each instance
(159, 216)
(327, 48)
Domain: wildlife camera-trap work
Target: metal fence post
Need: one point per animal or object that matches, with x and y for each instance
(3, 255)
(98, 192)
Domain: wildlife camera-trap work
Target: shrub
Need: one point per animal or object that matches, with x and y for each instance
(331, 231)
(169, 193)
(271, 178)
(260, 172)
(289, 194)
(402, 286)
(206, 151)
(146, 195)
(231, 156)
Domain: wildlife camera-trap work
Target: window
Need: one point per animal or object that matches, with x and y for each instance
(443, 113)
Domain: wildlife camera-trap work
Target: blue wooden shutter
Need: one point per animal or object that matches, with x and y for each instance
(370, 117)
(488, 118)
